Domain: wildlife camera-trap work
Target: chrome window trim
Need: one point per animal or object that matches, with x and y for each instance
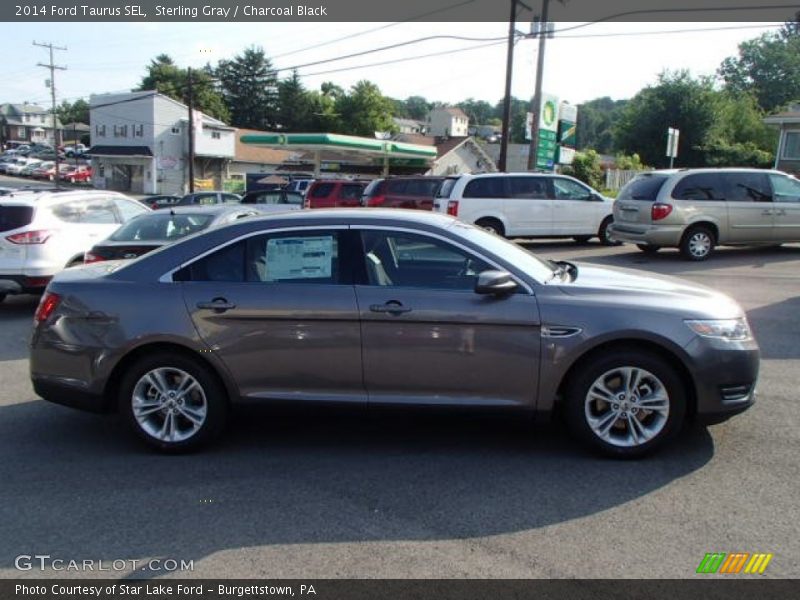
(467, 249)
(167, 277)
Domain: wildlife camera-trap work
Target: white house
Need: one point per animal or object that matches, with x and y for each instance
(787, 155)
(140, 144)
(447, 122)
(28, 123)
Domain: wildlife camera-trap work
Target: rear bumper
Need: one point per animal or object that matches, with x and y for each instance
(23, 284)
(62, 393)
(661, 235)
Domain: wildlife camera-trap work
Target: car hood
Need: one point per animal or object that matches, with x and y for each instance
(651, 290)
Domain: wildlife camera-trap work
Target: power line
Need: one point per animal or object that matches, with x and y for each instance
(667, 31)
(373, 30)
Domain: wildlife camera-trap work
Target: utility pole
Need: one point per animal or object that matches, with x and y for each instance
(53, 68)
(504, 134)
(537, 95)
(190, 102)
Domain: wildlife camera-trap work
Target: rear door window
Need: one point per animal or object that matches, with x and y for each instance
(528, 187)
(321, 190)
(701, 186)
(645, 187)
(350, 191)
(747, 187)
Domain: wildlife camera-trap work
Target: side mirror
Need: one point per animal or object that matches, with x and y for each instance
(498, 283)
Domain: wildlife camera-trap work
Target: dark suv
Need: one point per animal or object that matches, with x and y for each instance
(334, 193)
(402, 192)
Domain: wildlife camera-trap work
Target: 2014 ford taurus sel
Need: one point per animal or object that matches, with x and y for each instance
(373, 307)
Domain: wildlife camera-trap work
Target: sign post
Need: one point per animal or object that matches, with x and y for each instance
(672, 144)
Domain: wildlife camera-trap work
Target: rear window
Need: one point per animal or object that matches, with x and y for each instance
(321, 190)
(397, 186)
(13, 217)
(423, 187)
(374, 187)
(485, 187)
(152, 228)
(645, 187)
(446, 187)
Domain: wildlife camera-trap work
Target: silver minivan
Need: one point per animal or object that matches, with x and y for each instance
(697, 209)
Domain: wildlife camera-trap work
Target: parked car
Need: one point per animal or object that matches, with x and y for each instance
(696, 210)
(74, 150)
(528, 205)
(23, 167)
(334, 193)
(42, 170)
(274, 200)
(402, 192)
(161, 201)
(151, 230)
(41, 233)
(209, 198)
(76, 174)
(343, 305)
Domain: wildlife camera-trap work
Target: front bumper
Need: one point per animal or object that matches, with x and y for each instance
(725, 376)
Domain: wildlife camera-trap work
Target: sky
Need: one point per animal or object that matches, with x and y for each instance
(601, 59)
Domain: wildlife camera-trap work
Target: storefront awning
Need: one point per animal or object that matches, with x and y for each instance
(132, 151)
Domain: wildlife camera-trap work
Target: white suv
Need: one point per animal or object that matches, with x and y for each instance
(528, 205)
(41, 233)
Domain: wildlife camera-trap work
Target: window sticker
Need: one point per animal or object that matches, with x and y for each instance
(299, 258)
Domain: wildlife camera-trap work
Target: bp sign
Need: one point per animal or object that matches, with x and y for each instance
(548, 115)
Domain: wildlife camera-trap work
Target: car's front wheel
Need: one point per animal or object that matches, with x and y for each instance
(172, 402)
(697, 243)
(625, 403)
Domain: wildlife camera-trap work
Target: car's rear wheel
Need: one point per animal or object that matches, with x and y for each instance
(648, 248)
(172, 402)
(697, 243)
(625, 404)
(581, 239)
(492, 225)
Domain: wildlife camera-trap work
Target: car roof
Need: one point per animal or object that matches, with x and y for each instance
(202, 209)
(687, 171)
(51, 196)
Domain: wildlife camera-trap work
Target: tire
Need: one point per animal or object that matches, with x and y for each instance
(581, 239)
(600, 424)
(492, 225)
(602, 233)
(697, 243)
(648, 248)
(167, 420)
(2, 298)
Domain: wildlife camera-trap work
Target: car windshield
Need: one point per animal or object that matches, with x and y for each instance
(161, 227)
(541, 270)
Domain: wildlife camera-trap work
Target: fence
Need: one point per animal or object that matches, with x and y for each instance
(616, 178)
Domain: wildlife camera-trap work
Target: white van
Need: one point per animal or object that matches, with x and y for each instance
(528, 205)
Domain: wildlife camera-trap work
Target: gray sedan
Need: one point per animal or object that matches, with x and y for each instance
(387, 307)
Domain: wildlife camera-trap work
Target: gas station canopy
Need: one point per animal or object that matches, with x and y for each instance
(381, 152)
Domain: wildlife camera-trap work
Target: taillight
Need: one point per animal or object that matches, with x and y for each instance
(154, 206)
(452, 208)
(88, 257)
(47, 305)
(660, 211)
(39, 236)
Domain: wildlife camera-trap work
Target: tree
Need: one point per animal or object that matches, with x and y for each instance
(586, 167)
(417, 107)
(677, 100)
(75, 112)
(365, 110)
(164, 76)
(295, 109)
(768, 67)
(249, 87)
(739, 136)
(478, 111)
(595, 126)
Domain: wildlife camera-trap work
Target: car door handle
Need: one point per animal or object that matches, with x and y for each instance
(217, 305)
(392, 307)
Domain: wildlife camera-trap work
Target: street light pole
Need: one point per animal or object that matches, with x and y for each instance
(537, 95)
(190, 98)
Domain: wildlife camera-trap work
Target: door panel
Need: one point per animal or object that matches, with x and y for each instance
(751, 215)
(529, 206)
(430, 339)
(574, 211)
(280, 310)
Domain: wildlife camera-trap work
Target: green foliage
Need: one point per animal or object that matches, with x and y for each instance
(249, 86)
(75, 112)
(478, 111)
(677, 100)
(720, 153)
(586, 167)
(365, 110)
(629, 162)
(164, 76)
(596, 120)
(767, 67)
(417, 107)
(296, 109)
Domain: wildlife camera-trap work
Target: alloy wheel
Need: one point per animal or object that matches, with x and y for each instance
(169, 404)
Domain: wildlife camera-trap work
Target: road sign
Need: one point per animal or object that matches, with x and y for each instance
(672, 142)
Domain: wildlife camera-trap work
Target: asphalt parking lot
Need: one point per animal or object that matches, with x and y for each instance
(335, 495)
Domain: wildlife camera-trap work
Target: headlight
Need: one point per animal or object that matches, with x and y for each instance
(733, 330)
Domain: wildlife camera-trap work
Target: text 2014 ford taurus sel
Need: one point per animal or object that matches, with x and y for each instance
(387, 307)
